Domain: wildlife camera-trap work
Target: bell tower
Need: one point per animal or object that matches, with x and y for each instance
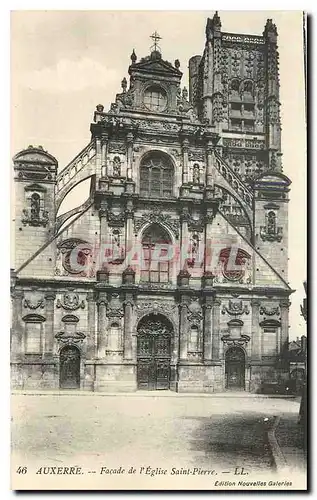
(34, 180)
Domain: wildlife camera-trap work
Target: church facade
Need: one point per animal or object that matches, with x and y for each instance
(172, 275)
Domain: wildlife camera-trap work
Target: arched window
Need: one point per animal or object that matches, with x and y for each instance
(155, 266)
(156, 176)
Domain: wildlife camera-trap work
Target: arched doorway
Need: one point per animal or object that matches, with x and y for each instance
(154, 334)
(235, 368)
(69, 367)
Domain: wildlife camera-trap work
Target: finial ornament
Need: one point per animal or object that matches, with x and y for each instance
(155, 37)
(177, 64)
(124, 84)
(133, 57)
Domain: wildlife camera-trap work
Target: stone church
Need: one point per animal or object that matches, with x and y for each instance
(172, 275)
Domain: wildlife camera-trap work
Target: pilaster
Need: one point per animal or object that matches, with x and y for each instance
(49, 324)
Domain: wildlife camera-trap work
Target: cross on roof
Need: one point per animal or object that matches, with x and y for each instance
(155, 37)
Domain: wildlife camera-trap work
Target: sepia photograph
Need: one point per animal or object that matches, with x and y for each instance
(159, 263)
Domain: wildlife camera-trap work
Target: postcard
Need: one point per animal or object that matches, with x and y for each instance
(158, 283)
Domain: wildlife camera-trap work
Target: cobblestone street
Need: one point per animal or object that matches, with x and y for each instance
(179, 431)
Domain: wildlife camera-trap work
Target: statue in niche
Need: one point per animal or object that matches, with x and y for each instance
(196, 174)
(271, 223)
(35, 206)
(116, 166)
(117, 251)
(194, 248)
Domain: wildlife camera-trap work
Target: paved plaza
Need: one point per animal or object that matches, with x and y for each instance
(141, 430)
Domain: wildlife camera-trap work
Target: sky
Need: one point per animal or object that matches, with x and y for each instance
(64, 63)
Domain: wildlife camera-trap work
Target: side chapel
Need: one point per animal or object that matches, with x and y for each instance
(198, 169)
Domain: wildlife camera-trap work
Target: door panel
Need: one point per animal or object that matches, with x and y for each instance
(69, 368)
(153, 370)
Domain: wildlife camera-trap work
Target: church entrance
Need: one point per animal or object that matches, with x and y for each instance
(235, 369)
(154, 335)
(69, 367)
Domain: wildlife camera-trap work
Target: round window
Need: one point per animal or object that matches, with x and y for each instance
(155, 99)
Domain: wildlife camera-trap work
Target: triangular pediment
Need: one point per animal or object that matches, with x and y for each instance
(155, 65)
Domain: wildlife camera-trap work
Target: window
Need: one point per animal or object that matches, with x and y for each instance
(156, 177)
(155, 267)
(269, 341)
(236, 106)
(249, 108)
(33, 334)
(155, 99)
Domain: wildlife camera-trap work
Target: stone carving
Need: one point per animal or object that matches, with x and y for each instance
(70, 302)
(115, 220)
(159, 125)
(155, 306)
(194, 317)
(117, 147)
(35, 218)
(242, 261)
(115, 312)
(235, 308)
(196, 155)
(82, 257)
(156, 216)
(271, 232)
(195, 224)
(116, 169)
(217, 107)
(269, 311)
(235, 342)
(70, 338)
(156, 286)
(32, 303)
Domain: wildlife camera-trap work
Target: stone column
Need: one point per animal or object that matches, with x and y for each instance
(49, 324)
(183, 329)
(91, 325)
(129, 354)
(98, 156)
(210, 157)
(104, 154)
(17, 326)
(102, 332)
(185, 146)
(129, 229)
(130, 138)
(184, 242)
(104, 234)
(208, 336)
(256, 340)
(284, 334)
(216, 329)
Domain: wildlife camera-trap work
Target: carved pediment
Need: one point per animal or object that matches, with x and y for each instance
(156, 65)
